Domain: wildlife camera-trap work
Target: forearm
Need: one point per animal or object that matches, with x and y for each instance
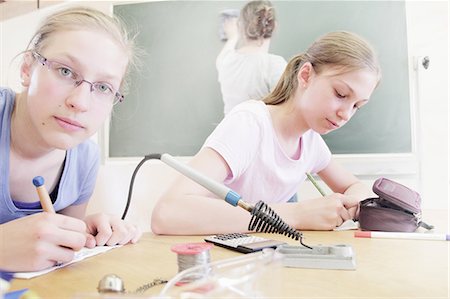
(359, 190)
(197, 215)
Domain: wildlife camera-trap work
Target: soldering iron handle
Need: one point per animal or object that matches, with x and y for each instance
(218, 189)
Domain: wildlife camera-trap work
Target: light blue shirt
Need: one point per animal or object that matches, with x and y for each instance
(78, 178)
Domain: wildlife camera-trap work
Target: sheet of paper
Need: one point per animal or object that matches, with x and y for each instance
(79, 255)
(348, 225)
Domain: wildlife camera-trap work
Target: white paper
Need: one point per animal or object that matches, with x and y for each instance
(79, 255)
(347, 225)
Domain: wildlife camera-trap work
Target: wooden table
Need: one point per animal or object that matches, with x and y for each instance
(385, 268)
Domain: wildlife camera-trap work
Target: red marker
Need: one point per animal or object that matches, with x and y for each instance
(395, 235)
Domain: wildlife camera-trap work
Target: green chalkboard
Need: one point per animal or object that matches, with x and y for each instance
(175, 102)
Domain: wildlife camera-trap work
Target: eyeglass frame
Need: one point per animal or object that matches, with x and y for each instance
(118, 97)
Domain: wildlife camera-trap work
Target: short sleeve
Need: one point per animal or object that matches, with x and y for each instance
(87, 175)
(87, 189)
(236, 139)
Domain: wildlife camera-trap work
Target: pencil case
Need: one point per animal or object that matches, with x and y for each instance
(396, 209)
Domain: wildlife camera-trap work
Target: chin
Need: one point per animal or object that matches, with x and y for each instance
(321, 131)
(64, 143)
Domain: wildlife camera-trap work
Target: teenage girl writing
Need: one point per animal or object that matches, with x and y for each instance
(72, 73)
(262, 149)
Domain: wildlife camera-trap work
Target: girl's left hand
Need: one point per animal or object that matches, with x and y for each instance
(110, 230)
(352, 205)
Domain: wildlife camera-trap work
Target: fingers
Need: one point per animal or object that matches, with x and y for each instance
(344, 215)
(60, 230)
(137, 235)
(45, 239)
(60, 254)
(90, 241)
(123, 233)
(349, 201)
(354, 211)
(338, 212)
(111, 230)
(69, 223)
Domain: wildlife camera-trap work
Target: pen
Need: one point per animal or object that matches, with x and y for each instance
(313, 181)
(44, 198)
(396, 235)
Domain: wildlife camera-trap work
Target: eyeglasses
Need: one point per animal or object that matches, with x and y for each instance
(101, 90)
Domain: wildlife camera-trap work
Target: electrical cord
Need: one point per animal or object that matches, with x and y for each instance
(264, 219)
(130, 190)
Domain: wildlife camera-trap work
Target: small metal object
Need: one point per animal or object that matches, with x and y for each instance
(426, 62)
(145, 287)
(111, 283)
(190, 255)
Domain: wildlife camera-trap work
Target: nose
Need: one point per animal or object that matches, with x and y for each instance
(345, 112)
(80, 97)
(91, 85)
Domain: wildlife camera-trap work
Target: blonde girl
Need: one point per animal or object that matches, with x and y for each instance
(73, 73)
(263, 149)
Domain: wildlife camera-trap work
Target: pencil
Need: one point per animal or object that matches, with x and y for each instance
(313, 181)
(396, 235)
(44, 198)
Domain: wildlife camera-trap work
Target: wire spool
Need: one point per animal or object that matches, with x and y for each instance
(190, 255)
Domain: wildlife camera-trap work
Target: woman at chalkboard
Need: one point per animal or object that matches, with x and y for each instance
(263, 149)
(248, 72)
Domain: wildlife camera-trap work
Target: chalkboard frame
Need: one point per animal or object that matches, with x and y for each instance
(407, 153)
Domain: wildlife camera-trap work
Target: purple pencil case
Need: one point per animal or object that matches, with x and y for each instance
(396, 209)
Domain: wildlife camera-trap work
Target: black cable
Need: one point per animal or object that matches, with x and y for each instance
(264, 219)
(130, 190)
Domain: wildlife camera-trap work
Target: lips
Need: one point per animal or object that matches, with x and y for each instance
(332, 124)
(69, 124)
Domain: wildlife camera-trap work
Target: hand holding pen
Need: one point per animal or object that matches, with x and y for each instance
(349, 202)
(40, 240)
(101, 229)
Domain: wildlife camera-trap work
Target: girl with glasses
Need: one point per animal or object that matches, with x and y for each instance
(72, 74)
(263, 149)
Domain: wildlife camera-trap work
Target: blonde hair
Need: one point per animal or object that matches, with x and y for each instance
(76, 18)
(257, 19)
(341, 50)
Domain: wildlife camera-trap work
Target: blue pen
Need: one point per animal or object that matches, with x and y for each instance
(44, 198)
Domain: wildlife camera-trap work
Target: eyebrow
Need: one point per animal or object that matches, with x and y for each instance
(351, 89)
(73, 59)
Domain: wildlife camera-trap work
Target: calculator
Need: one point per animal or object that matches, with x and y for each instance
(242, 242)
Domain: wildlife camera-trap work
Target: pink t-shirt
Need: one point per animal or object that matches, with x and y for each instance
(260, 169)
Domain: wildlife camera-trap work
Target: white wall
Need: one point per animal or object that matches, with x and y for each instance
(427, 25)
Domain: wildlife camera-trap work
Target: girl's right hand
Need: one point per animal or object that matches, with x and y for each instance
(39, 241)
(230, 27)
(323, 213)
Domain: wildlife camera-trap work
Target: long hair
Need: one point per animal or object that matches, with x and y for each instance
(257, 19)
(341, 50)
